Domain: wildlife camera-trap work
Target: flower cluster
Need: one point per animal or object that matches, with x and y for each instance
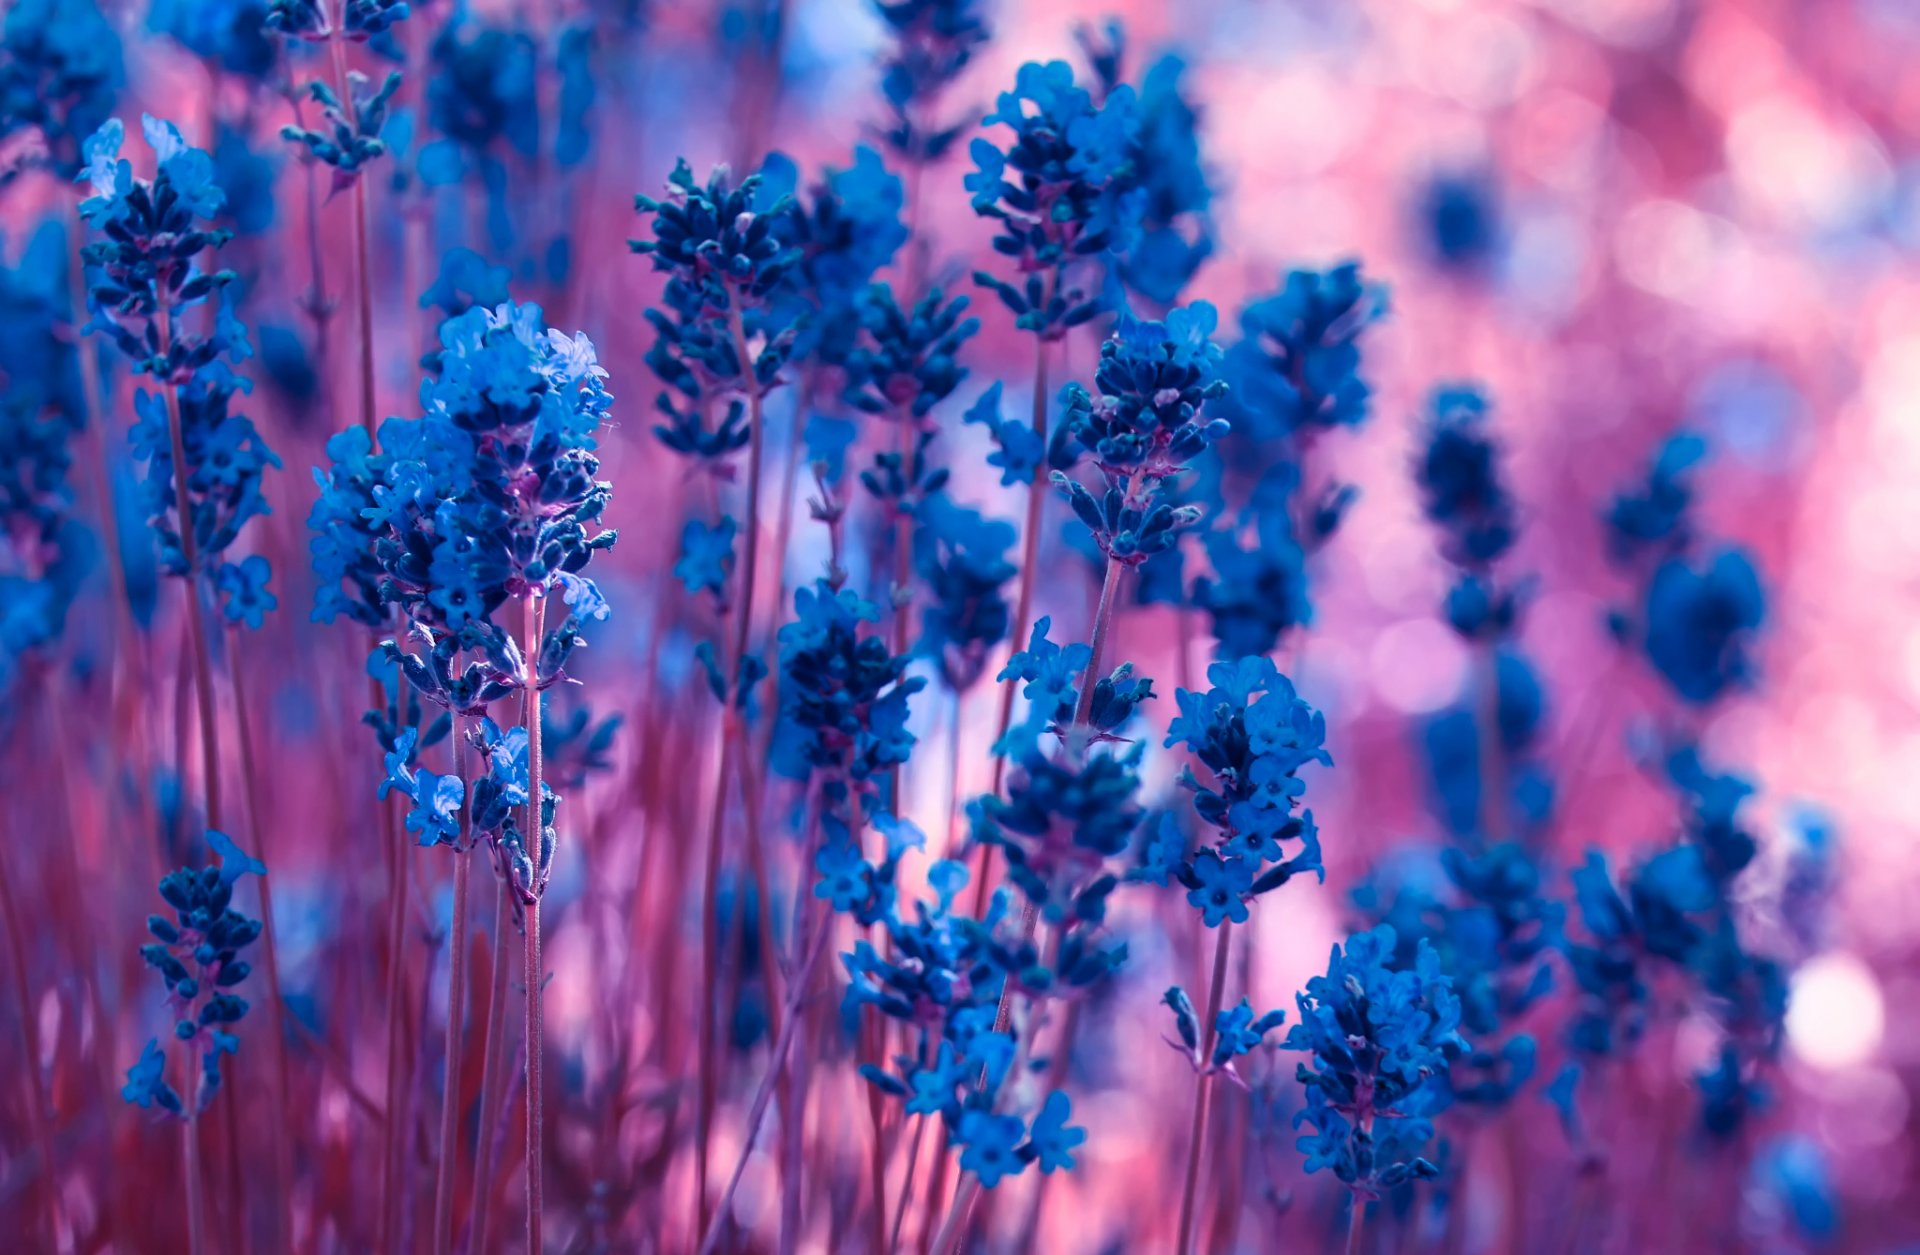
(1379, 1033)
(1252, 751)
(1063, 192)
(961, 559)
(488, 495)
(231, 34)
(1236, 1030)
(43, 546)
(1681, 913)
(153, 234)
(1176, 227)
(1257, 592)
(196, 954)
(1459, 481)
(1699, 605)
(844, 691)
(360, 20)
(941, 979)
(60, 73)
(725, 251)
(846, 231)
(932, 42)
(1143, 428)
(1295, 370)
(352, 138)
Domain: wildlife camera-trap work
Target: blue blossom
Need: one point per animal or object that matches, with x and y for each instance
(1019, 451)
(989, 1146)
(961, 559)
(844, 690)
(1296, 368)
(1655, 517)
(465, 279)
(230, 33)
(931, 42)
(1699, 621)
(60, 74)
(1252, 751)
(196, 954)
(245, 586)
(44, 548)
(1460, 482)
(1053, 1140)
(1176, 235)
(351, 139)
(1062, 192)
(1791, 1192)
(1378, 1033)
(1257, 591)
(727, 255)
(1461, 221)
(152, 238)
(1237, 1031)
(845, 233)
(706, 556)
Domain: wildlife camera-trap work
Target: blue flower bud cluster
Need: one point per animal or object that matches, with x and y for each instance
(1063, 193)
(196, 954)
(1143, 428)
(1252, 752)
(153, 235)
(60, 74)
(351, 140)
(931, 42)
(1381, 1035)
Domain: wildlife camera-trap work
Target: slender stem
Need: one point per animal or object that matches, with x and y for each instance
(1203, 1087)
(1102, 625)
(37, 1116)
(906, 1186)
(190, 1144)
(363, 278)
(391, 1189)
(535, 973)
(250, 790)
(492, 1074)
(196, 615)
(1023, 604)
(448, 1161)
(1356, 1221)
(757, 1113)
(730, 731)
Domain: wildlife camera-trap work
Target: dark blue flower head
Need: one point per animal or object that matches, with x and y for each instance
(1296, 368)
(1654, 518)
(907, 362)
(931, 43)
(728, 320)
(1379, 1033)
(1062, 192)
(196, 954)
(844, 689)
(1459, 478)
(717, 241)
(846, 232)
(232, 34)
(1460, 218)
(1252, 751)
(961, 558)
(361, 20)
(351, 139)
(60, 73)
(44, 548)
(1143, 428)
(483, 91)
(1176, 230)
(1699, 622)
(1257, 591)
